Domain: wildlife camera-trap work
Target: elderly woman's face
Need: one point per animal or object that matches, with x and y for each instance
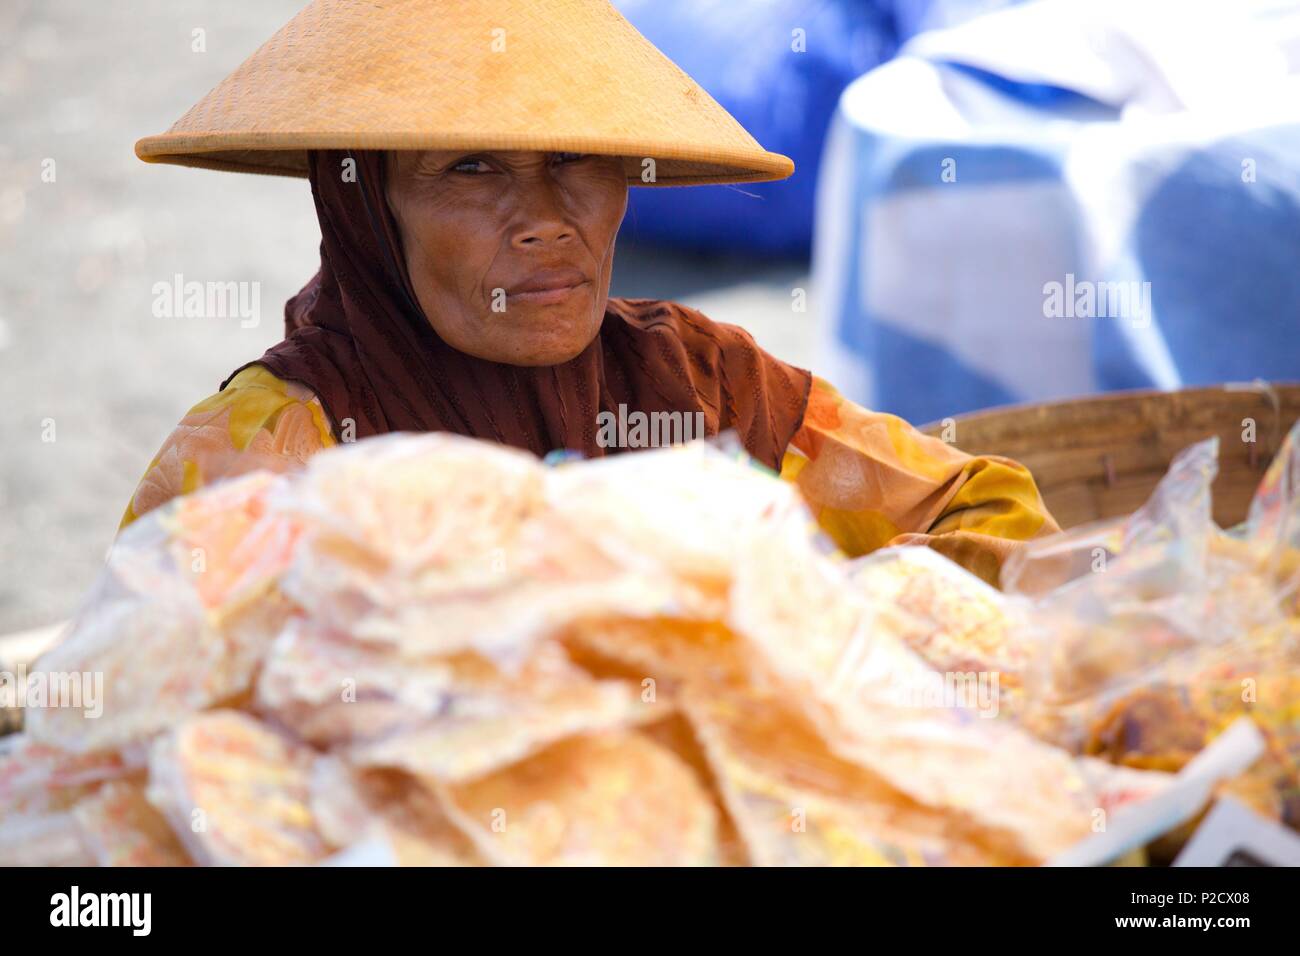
(510, 253)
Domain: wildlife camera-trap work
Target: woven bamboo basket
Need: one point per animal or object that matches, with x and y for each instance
(1101, 457)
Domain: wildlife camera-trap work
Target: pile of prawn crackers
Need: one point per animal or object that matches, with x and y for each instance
(468, 657)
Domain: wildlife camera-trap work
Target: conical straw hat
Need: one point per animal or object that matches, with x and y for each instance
(550, 75)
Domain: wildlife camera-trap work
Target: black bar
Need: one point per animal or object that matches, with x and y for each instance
(328, 906)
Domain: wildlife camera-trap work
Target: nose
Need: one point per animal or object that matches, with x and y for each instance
(541, 219)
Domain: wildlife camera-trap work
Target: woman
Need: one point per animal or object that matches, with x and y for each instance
(465, 269)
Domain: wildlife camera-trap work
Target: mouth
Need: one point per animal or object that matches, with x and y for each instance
(547, 286)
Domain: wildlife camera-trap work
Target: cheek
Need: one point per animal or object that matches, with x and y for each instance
(614, 197)
(603, 215)
(457, 245)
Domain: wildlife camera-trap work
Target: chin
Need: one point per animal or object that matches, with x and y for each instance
(549, 353)
(549, 339)
(537, 349)
(528, 335)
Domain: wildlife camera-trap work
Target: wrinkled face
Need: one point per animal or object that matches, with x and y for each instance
(510, 253)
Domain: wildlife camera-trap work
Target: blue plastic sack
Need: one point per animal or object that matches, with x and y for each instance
(1011, 214)
(781, 85)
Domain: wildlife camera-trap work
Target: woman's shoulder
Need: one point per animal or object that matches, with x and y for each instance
(257, 421)
(695, 330)
(651, 312)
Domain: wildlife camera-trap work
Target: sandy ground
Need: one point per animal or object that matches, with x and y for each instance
(90, 380)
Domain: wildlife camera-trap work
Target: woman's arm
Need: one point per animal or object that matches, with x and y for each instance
(873, 480)
(257, 421)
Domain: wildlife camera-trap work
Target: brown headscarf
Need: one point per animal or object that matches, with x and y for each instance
(356, 336)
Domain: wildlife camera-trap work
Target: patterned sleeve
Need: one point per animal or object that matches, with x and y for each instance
(256, 421)
(873, 480)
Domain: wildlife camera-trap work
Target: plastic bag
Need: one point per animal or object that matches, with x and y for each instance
(1273, 524)
(646, 659)
(1156, 633)
(1112, 605)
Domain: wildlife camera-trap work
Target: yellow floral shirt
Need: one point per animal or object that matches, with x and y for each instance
(871, 479)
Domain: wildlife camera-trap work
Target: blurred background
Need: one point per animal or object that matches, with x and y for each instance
(995, 202)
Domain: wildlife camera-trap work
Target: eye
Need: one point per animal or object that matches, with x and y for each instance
(471, 165)
(563, 158)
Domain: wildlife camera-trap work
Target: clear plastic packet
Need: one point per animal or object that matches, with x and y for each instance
(236, 792)
(647, 659)
(231, 542)
(971, 635)
(1118, 606)
(40, 788)
(1163, 546)
(1149, 803)
(1156, 633)
(1272, 527)
(38, 778)
(683, 513)
(842, 656)
(120, 827)
(616, 798)
(177, 620)
(403, 519)
(399, 813)
(437, 544)
(50, 839)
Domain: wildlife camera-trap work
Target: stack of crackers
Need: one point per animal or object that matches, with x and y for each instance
(467, 657)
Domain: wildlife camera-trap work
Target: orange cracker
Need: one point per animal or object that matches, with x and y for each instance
(352, 805)
(121, 828)
(236, 792)
(797, 803)
(611, 799)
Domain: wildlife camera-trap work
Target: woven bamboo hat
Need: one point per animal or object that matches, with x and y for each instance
(550, 75)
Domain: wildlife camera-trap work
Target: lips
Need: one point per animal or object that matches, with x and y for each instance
(547, 285)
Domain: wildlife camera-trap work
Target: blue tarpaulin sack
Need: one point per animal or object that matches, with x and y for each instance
(1065, 198)
(778, 66)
